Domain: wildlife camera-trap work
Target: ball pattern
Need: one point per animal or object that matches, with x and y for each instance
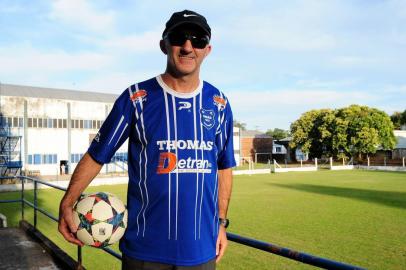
(101, 219)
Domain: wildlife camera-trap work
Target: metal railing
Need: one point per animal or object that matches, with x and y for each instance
(267, 247)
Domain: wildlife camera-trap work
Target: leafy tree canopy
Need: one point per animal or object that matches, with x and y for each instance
(241, 125)
(398, 119)
(278, 133)
(343, 132)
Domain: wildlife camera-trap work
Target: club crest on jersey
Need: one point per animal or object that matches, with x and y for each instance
(139, 96)
(220, 102)
(207, 118)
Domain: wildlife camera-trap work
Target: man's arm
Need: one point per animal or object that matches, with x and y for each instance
(224, 195)
(84, 173)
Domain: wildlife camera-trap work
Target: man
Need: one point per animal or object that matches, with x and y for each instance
(180, 155)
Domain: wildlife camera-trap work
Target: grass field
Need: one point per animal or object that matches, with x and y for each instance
(357, 217)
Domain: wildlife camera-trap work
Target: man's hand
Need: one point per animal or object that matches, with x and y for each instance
(66, 226)
(221, 244)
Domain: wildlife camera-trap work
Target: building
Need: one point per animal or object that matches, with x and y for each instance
(56, 125)
(255, 146)
(400, 148)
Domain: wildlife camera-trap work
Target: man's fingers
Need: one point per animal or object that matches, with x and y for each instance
(217, 246)
(67, 233)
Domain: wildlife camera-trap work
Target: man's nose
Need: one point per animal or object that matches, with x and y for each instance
(187, 46)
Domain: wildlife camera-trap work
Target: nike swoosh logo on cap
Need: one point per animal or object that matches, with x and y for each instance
(188, 15)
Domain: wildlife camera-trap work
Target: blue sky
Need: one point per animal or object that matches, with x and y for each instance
(273, 59)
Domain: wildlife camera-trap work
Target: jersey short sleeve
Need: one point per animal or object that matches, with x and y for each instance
(114, 131)
(225, 137)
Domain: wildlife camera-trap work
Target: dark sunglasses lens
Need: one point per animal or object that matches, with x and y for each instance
(178, 39)
(199, 42)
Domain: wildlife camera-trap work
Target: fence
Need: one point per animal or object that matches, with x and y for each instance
(268, 247)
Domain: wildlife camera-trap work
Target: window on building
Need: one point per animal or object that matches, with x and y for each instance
(85, 124)
(59, 123)
(45, 123)
(76, 123)
(64, 123)
(50, 123)
(40, 122)
(98, 124)
(80, 123)
(37, 159)
(21, 122)
(54, 123)
(34, 122)
(29, 159)
(278, 149)
(10, 121)
(30, 122)
(15, 121)
(94, 124)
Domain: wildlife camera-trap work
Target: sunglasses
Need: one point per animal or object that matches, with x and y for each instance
(179, 38)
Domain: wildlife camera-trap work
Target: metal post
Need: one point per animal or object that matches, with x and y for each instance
(403, 162)
(368, 161)
(301, 163)
(331, 162)
(256, 157)
(343, 161)
(79, 258)
(315, 162)
(22, 199)
(384, 161)
(35, 204)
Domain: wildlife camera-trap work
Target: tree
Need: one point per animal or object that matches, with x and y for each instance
(343, 132)
(241, 125)
(398, 119)
(277, 133)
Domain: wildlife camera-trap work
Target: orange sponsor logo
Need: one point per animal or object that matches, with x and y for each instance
(139, 94)
(167, 163)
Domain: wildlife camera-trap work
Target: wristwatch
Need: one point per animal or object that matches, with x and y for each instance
(224, 222)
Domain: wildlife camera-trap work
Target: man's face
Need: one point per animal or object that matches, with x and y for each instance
(183, 47)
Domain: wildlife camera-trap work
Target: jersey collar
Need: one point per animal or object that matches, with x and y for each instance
(169, 90)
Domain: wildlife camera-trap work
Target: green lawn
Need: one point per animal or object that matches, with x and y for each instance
(357, 217)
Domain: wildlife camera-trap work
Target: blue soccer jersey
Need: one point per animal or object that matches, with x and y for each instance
(177, 142)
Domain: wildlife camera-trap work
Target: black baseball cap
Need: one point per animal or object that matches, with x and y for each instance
(187, 17)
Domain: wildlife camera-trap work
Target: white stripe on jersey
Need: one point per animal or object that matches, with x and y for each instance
(215, 196)
(169, 175)
(202, 139)
(139, 182)
(176, 153)
(122, 132)
(146, 161)
(115, 131)
(197, 174)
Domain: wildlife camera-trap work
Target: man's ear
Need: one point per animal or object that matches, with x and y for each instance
(208, 50)
(162, 46)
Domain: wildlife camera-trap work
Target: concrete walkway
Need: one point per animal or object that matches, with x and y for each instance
(18, 251)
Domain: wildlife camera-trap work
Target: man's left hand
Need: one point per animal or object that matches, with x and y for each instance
(221, 244)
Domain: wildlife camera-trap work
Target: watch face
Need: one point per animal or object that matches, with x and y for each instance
(225, 222)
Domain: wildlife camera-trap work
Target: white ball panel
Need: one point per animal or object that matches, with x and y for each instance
(85, 205)
(102, 231)
(76, 218)
(102, 211)
(85, 237)
(117, 235)
(117, 204)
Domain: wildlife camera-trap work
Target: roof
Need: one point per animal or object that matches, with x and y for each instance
(254, 134)
(53, 93)
(401, 138)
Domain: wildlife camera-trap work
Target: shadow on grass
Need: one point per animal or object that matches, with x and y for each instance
(387, 198)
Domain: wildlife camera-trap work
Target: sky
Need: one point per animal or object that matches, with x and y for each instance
(274, 60)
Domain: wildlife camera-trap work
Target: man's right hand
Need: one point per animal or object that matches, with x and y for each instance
(66, 225)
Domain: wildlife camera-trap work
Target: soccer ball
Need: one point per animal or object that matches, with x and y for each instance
(101, 219)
